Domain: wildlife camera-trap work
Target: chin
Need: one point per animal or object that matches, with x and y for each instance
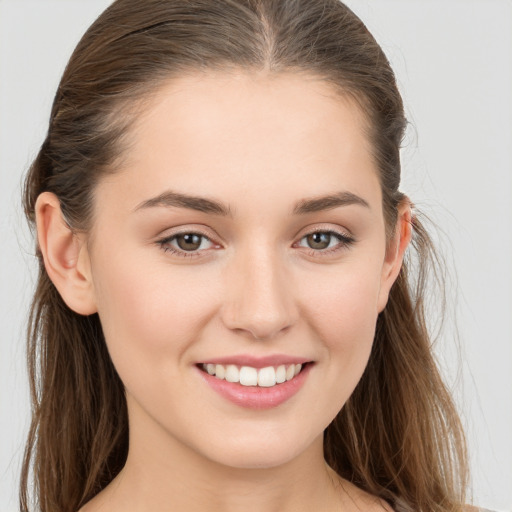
(255, 459)
(264, 451)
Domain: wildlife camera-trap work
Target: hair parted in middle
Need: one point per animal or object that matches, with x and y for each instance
(398, 436)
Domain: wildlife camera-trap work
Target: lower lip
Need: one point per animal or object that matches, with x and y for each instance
(255, 397)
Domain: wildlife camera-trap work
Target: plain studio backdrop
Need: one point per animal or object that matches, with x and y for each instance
(453, 59)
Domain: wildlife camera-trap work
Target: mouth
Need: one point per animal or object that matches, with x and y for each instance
(256, 384)
(249, 376)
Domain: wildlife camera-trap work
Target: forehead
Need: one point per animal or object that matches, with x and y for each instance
(228, 134)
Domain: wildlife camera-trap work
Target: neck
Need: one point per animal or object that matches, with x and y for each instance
(178, 478)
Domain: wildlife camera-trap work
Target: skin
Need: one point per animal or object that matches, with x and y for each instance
(259, 145)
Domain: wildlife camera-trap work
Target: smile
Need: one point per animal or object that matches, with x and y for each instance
(248, 376)
(256, 383)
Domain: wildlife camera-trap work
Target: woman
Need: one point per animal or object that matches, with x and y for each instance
(224, 318)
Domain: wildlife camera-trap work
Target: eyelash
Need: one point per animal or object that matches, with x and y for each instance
(164, 244)
(345, 242)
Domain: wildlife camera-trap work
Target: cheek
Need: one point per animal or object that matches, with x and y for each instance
(148, 313)
(344, 305)
(343, 313)
(340, 313)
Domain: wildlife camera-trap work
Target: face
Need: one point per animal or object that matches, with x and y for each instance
(243, 237)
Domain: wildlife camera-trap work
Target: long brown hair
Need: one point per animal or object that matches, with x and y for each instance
(398, 436)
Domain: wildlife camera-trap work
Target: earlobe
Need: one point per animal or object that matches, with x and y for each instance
(65, 256)
(395, 252)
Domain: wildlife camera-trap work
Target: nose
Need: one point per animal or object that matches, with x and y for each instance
(259, 296)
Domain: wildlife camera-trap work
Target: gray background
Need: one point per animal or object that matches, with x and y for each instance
(453, 59)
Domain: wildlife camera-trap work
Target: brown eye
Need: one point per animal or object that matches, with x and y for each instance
(323, 243)
(189, 241)
(318, 240)
(188, 244)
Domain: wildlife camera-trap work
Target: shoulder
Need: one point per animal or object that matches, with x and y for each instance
(399, 507)
(356, 499)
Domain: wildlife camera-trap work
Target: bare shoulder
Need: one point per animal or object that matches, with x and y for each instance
(95, 505)
(103, 501)
(357, 500)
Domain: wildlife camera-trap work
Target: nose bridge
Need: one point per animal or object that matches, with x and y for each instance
(259, 296)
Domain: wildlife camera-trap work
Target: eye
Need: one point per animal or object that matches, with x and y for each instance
(325, 241)
(186, 244)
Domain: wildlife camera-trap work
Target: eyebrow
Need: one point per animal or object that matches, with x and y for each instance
(175, 199)
(202, 204)
(318, 204)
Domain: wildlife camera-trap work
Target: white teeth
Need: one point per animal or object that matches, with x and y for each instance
(232, 373)
(281, 374)
(220, 372)
(267, 377)
(249, 376)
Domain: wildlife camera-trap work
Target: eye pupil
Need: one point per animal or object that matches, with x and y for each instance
(189, 241)
(319, 240)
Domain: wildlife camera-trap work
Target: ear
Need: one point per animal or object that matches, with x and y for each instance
(395, 252)
(65, 256)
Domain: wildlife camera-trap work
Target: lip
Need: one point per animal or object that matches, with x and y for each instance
(255, 397)
(257, 362)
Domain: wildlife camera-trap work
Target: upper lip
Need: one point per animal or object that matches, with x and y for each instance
(257, 361)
